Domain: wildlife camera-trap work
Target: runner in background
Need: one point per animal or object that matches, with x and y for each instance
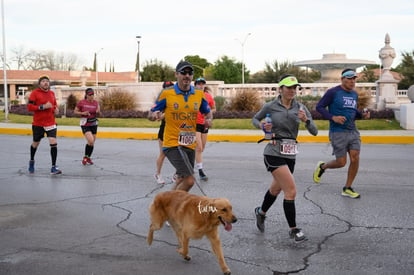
(202, 129)
(160, 160)
(88, 108)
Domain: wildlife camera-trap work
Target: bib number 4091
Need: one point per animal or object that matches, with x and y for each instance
(288, 147)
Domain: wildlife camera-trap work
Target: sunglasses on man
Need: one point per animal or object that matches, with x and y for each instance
(186, 72)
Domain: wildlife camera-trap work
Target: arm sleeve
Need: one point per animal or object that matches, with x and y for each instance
(204, 108)
(259, 116)
(31, 106)
(55, 104)
(310, 126)
(160, 103)
(325, 101)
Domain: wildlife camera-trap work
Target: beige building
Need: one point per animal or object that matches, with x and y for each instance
(20, 82)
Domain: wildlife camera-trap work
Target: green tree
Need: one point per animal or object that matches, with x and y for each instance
(368, 74)
(406, 69)
(200, 65)
(155, 70)
(229, 70)
(273, 72)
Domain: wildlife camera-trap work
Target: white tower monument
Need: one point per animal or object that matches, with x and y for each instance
(387, 86)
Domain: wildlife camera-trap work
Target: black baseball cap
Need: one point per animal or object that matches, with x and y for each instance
(182, 65)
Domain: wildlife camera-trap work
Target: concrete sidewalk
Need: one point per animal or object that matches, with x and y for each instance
(372, 136)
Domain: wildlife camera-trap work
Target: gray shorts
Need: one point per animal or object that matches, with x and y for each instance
(182, 158)
(342, 142)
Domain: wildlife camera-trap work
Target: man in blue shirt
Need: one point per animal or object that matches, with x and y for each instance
(342, 111)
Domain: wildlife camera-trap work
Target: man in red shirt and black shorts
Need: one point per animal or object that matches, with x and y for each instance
(42, 103)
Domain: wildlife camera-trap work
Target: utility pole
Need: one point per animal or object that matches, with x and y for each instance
(138, 37)
(242, 45)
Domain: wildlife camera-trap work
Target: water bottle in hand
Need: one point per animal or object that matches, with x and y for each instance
(268, 135)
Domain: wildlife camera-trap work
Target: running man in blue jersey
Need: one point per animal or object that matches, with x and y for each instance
(339, 105)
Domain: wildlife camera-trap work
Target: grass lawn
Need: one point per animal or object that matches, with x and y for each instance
(372, 124)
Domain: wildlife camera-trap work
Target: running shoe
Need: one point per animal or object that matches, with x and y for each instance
(260, 219)
(89, 161)
(159, 179)
(297, 235)
(349, 192)
(202, 175)
(31, 167)
(85, 160)
(55, 170)
(317, 174)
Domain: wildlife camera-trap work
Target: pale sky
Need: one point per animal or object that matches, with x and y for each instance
(280, 30)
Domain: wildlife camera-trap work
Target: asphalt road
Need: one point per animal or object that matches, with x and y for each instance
(94, 219)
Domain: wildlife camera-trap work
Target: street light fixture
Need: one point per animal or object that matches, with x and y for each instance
(242, 45)
(6, 94)
(96, 63)
(138, 37)
(201, 68)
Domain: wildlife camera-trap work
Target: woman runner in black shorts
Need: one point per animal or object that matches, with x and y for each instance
(88, 108)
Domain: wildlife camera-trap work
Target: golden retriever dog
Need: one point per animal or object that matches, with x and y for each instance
(192, 217)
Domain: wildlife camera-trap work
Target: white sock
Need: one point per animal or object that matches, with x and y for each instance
(199, 166)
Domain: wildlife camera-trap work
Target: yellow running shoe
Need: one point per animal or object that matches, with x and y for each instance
(317, 174)
(349, 192)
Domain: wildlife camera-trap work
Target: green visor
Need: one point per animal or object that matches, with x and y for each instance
(289, 82)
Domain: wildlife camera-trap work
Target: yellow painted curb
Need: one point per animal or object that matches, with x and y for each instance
(215, 137)
(12, 131)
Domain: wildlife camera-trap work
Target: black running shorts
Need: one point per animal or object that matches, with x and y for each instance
(273, 162)
(39, 132)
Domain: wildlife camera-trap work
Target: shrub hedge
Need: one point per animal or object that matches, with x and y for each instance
(22, 110)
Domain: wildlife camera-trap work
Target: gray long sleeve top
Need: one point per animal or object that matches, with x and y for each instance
(285, 123)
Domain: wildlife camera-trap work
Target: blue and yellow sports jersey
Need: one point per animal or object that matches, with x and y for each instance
(180, 113)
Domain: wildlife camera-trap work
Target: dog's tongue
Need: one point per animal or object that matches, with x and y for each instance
(228, 227)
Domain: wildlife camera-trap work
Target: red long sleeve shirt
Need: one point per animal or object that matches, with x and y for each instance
(45, 117)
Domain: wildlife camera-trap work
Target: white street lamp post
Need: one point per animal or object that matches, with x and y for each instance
(201, 68)
(6, 94)
(96, 63)
(138, 37)
(242, 45)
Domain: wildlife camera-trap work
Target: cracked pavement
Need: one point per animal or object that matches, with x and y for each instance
(93, 219)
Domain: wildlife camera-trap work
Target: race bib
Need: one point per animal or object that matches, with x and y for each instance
(83, 121)
(186, 138)
(48, 128)
(288, 147)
